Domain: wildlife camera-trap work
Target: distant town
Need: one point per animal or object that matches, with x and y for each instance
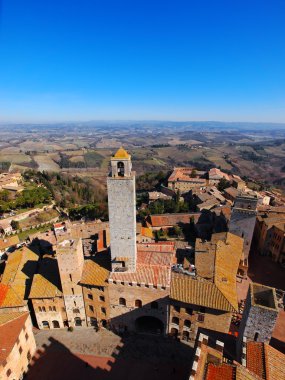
(189, 263)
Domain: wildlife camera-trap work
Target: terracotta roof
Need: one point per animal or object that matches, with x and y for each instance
(163, 246)
(152, 268)
(265, 361)
(216, 173)
(9, 242)
(121, 153)
(20, 266)
(13, 298)
(218, 261)
(94, 274)
(146, 232)
(198, 292)
(172, 219)
(46, 283)
(3, 292)
(274, 362)
(220, 372)
(184, 174)
(232, 191)
(255, 358)
(11, 325)
(228, 255)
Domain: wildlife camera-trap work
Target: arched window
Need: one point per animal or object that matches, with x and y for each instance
(154, 305)
(187, 323)
(45, 324)
(138, 303)
(122, 301)
(43, 308)
(256, 335)
(174, 332)
(55, 324)
(77, 321)
(175, 320)
(121, 169)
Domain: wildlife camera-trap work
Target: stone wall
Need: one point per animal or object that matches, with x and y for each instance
(122, 217)
(121, 316)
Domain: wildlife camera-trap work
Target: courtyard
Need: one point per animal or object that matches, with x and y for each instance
(87, 354)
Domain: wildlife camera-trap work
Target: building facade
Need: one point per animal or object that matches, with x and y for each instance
(70, 264)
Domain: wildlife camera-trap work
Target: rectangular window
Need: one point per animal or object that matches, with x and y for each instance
(70, 277)
(103, 310)
(40, 309)
(20, 350)
(201, 317)
(26, 336)
(54, 308)
(90, 296)
(50, 308)
(102, 298)
(72, 289)
(91, 308)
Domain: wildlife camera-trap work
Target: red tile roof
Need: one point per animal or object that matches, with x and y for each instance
(9, 332)
(172, 219)
(220, 372)
(152, 268)
(255, 358)
(3, 292)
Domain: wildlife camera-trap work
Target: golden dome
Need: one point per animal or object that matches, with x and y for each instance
(121, 153)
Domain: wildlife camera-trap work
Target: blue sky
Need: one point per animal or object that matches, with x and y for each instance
(176, 60)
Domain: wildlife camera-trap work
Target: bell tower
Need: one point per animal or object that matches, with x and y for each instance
(122, 212)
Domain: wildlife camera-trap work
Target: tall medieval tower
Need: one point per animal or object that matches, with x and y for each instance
(122, 212)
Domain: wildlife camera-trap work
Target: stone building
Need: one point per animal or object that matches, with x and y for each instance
(46, 296)
(122, 212)
(269, 235)
(17, 344)
(94, 282)
(186, 179)
(242, 224)
(260, 314)
(139, 300)
(70, 263)
(206, 296)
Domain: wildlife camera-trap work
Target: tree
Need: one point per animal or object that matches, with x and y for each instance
(223, 184)
(193, 173)
(15, 224)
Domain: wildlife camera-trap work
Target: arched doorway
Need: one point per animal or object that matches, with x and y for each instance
(55, 324)
(149, 325)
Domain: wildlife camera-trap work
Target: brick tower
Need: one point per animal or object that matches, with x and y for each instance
(122, 212)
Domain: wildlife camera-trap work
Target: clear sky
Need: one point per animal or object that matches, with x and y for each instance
(149, 59)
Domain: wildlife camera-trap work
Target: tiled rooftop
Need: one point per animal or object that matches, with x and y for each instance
(220, 372)
(152, 268)
(8, 242)
(94, 274)
(11, 325)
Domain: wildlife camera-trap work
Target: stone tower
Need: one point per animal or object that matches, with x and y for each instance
(70, 264)
(242, 223)
(260, 314)
(122, 212)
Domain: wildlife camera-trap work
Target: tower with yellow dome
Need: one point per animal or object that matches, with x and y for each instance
(122, 212)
